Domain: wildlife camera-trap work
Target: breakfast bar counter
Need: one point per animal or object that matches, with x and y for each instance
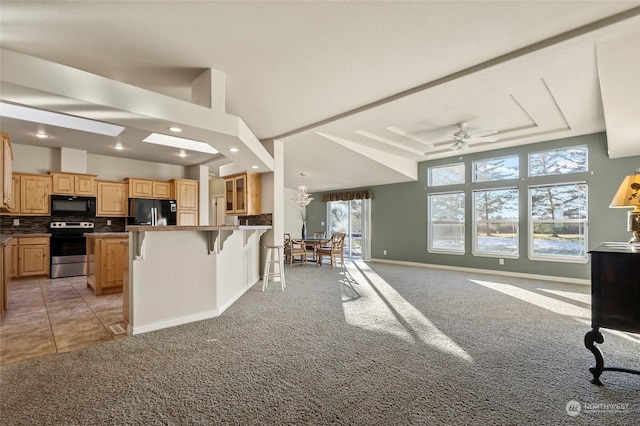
(181, 274)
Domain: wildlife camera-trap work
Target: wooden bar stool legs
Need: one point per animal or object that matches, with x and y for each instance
(275, 260)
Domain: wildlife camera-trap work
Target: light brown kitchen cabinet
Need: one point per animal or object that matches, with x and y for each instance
(34, 194)
(5, 275)
(15, 195)
(33, 256)
(243, 194)
(106, 263)
(14, 258)
(112, 199)
(73, 184)
(7, 198)
(146, 188)
(185, 192)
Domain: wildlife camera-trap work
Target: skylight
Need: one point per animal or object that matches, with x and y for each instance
(59, 120)
(175, 142)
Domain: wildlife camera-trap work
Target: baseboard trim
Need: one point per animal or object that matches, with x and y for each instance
(487, 271)
(173, 322)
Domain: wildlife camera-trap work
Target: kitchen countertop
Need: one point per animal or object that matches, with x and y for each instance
(198, 228)
(5, 239)
(107, 235)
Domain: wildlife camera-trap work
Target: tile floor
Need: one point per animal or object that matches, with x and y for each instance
(57, 315)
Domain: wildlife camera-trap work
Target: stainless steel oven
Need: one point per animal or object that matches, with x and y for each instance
(69, 248)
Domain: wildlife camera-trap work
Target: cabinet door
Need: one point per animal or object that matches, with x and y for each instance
(187, 195)
(33, 260)
(63, 184)
(140, 188)
(161, 190)
(111, 263)
(229, 196)
(15, 185)
(85, 185)
(112, 199)
(6, 173)
(240, 188)
(187, 217)
(15, 271)
(34, 195)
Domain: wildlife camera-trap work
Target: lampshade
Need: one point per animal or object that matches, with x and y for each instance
(628, 194)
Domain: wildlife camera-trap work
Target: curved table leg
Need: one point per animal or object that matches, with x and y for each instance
(594, 336)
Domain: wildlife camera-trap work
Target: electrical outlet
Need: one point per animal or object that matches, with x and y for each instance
(384, 252)
(108, 222)
(16, 222)
(322, 223)
(501, 261)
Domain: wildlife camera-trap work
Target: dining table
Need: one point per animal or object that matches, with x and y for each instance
(314, 243)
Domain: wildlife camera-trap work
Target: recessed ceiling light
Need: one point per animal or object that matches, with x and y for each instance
(175, 129)
(234, 149)
(119, 146)
(182, 153)
(176, 142)
(254, 167)
(41, 135)
(60, 120)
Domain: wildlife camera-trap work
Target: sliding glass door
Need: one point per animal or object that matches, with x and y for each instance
(350, 217)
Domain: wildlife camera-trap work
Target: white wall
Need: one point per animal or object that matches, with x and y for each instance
(292, 216)
(34, 159)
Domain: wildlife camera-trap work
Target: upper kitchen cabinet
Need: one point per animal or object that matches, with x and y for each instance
(146, 188)
(73, 184)
(243, 194)
(185, 192)
(35, 191)
(7, 200)
(112, 199)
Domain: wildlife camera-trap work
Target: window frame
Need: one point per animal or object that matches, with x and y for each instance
(474, 174)
(475, 250)
(584, 258)
(430, 233)
(430, 183)
(586, 148)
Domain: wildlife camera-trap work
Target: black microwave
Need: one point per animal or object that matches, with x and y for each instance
(66, 205)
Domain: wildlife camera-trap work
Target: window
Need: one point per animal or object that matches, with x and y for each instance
(446, 222)
(558, 222)
(496, 169)
(496, 222)
(450, 174)
(558, 162)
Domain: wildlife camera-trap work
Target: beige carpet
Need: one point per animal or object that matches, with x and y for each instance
(381, 345)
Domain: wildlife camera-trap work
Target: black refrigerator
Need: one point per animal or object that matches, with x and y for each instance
(145, 211)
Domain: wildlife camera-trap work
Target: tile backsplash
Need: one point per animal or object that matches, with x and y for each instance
(40, 224)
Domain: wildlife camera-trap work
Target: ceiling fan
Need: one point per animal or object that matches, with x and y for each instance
(462, 138)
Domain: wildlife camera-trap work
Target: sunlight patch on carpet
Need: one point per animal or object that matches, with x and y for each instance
(369, 302)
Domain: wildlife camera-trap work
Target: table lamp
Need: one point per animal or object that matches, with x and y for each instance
(628, 195)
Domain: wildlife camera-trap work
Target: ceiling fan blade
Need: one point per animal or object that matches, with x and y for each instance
(482, 133)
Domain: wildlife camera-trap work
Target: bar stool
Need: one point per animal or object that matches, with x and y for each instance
(275, 257)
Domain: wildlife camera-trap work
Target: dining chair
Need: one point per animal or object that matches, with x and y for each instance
(298, 249)
(287, 246)
(334, 248)
(313, 247)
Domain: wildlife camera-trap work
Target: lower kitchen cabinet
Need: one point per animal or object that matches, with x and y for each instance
(105, 256)
(33, 256)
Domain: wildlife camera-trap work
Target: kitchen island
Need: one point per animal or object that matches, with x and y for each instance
(182, 274)
(105, 261)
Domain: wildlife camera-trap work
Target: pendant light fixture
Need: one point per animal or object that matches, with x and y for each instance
(303, 198)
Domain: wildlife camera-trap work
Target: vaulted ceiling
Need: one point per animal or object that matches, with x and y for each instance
(358, 92)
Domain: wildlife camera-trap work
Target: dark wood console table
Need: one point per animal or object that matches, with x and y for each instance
(615, 298)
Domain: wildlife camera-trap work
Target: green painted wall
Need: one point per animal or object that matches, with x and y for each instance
(399, 211)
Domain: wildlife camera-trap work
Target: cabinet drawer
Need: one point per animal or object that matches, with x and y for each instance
(33, 241)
